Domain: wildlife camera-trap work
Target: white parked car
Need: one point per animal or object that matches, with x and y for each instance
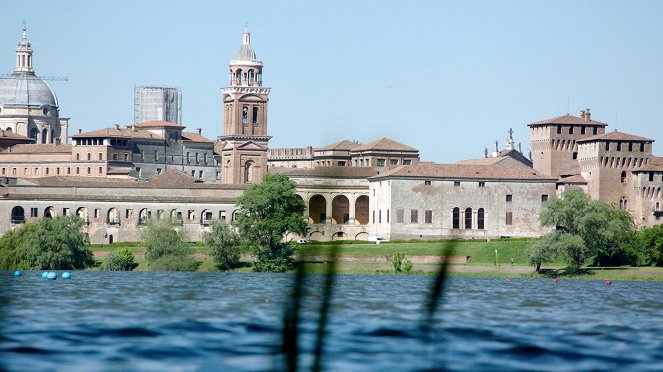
(376, 239)
(302, 241)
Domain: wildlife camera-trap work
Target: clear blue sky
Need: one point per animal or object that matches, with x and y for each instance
(447, 77)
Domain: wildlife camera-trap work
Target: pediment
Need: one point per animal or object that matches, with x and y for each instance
(250, 145)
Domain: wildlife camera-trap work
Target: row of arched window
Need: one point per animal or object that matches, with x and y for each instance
(465, 219)
(113, 217)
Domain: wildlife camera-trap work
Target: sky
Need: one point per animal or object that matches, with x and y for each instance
(447, 77)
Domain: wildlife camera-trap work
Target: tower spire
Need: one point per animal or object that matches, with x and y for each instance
(246, 36)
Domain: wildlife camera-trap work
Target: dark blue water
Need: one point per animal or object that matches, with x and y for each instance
(216, 321)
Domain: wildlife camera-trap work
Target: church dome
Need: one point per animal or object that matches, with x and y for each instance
(246, 53)
(26, 89)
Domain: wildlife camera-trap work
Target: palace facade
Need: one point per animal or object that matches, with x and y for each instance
(119, 177)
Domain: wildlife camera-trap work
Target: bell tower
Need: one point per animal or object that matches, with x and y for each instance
(244, 139)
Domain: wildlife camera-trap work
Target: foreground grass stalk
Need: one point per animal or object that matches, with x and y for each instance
(324, 310)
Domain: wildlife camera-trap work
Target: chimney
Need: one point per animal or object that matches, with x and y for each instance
(588, 115)
(200, 131)
(80, 131)
(582, 114)
(117, 126)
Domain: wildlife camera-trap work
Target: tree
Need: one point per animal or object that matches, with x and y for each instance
(46, 244)
(651, 239)
(585, 229)
(224, 244)
(122, 260)
(166, 249)
(269, 210)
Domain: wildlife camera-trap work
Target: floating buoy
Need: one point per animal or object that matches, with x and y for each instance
(66, 275)
(51, 276)
(555, 280)
(44, 274)
(608, 282)
(18, 273)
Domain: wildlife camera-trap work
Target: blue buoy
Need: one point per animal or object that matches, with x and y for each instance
(52, 276)
(18, 273)
(44, 274)
(66, 275)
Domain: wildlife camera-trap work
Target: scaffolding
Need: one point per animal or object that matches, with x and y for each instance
(157, 103)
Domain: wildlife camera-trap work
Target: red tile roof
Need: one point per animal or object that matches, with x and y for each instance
(384, 144)
(341, 145)
(574, 179)
(332, 172)
(568, 119)
(463, 171)
(615, 136)
(157, 124)
(194, 137)
(33, 148)
(115, 132)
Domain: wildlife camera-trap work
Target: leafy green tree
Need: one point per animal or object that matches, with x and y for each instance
(46, 244)
(122, 260)
(592, 230)
(166, 249)
(651, 239)
(269, 210)
(224, 244)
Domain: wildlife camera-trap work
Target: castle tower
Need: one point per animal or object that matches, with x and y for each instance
(28, 105)
(554, 142)
(244, 139)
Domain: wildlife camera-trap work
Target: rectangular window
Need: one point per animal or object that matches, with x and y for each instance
(571, 130)
(619, 146)
(399, 215)
(200, 174)
(509, 218)
(373, 216)
(630, 146)
(427, 182)
(89, 156)
(414, 216)
(575, 155)
(255, 115)
(193, 173)
(89, 170)
(78, 170)
(341, 163)
(101, 156)
(65, 211)
(128, 213)
(57, 170)
(97, 213)
(642, 146)
(34, 212)
(559, 129)
(482, 184)
(78, 156)
(100, 170)
(428, 216)
(651, 176)
(138, 171)
(387, 215)
(4, 171)
(407, 162)
(544, 198)
(126, 156)
(509, 197)
(582, 130)
(380, 216)
(456, 183)
(156, 155)
(393, 161)
(47, 171)
(380, 162)
(595, 130)
(607, 146)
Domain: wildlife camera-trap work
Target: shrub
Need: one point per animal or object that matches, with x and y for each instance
(122, 260)
(401, 264)
(172, 262)
(161, 239)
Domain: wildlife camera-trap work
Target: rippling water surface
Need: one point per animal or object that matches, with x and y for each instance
(218, 321)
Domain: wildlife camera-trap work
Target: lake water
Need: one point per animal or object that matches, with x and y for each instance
(219, 321)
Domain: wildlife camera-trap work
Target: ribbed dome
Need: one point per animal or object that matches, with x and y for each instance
(26, 89)
(246, 53)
